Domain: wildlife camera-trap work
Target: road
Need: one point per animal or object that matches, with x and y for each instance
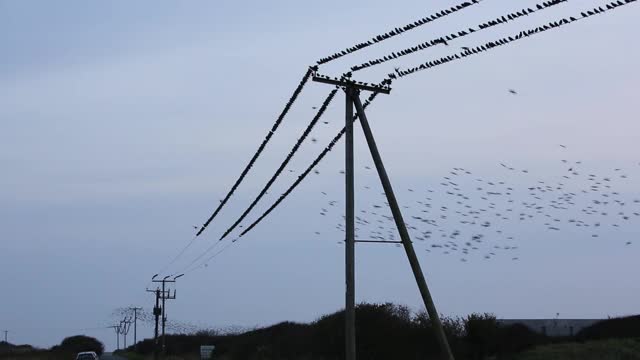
(110, 356)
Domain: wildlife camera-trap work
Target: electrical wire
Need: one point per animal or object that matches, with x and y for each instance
(313, 165)
(397, 31)
(275, 126)
(445, 39)
(286, 161)
(507, 40)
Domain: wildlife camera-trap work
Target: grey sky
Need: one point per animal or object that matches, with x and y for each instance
(122, 124)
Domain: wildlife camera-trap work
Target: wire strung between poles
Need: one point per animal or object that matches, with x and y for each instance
(310, 71)
(205, 263)
(507, 40)
(286, 161)
(445, 39)
(398, 31)
(310, 168)
(275, 126)
(282, 166)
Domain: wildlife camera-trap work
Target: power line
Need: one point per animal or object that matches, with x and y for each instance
(308, 170)
(397, 31)
(248, 167)
(489, 45)
(456, 35)
(286, 161)
(214, 255)
(275, 126)
(506, 40)
(180, 253)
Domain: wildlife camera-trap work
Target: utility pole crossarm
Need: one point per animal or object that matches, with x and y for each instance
(347, 83)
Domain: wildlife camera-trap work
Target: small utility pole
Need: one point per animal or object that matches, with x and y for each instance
(6, 332)
(125, 325)
(156, 314)
(135, 325)
(164, 296)
(117, 329)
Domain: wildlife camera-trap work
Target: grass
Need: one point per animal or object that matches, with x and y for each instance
(614, 349)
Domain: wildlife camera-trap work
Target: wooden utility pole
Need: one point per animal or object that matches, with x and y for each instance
(165, 296)
(135, 325)
(156, 314)
(350, 245)
(352, 89)
(125, 325)
(117, 329)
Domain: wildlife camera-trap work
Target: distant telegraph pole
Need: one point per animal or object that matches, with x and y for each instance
(6, 332)
(125, 325)
(135, 325)
(117, 329)
(164, 295)
(156, 314)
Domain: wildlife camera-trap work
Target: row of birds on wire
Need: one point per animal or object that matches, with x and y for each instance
(467, 215)
(507, 40)
(397, 31)
(491, 45)
(444, 40)
(312, 71)
(392, 76)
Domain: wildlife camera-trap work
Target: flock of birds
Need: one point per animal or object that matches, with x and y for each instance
(468, 215)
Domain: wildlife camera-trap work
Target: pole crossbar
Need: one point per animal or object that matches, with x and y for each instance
(356, 85)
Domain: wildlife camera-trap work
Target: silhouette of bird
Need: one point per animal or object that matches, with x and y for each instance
(513, 92)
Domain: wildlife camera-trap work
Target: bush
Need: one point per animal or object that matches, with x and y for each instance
(624, 327)
(80, 343)
(481, 331)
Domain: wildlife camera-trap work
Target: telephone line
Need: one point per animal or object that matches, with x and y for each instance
(313, 164)
(507, 40)
(292, 99)
(444, 39)
(275, 126)
(286, 161)
(397, 31)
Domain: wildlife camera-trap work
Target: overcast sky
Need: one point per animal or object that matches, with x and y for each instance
(123, 123)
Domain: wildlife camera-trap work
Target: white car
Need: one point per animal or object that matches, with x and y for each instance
(87, 355)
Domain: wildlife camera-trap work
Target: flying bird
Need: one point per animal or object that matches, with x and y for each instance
(513, 92)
